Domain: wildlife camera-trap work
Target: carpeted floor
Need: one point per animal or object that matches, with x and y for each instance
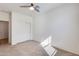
(28, 48)
(64, 53)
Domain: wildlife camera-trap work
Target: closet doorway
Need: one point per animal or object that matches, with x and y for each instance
(4, 32)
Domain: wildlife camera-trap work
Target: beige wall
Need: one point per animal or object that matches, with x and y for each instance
(3, 29)
(4, 16)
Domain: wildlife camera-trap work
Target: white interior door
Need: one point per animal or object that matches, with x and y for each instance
(22, 32)
(21, 28)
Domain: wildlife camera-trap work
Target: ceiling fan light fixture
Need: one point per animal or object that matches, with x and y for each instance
(31, 8)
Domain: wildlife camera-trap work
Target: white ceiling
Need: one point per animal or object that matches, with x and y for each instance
(15, 7)
(44, 7)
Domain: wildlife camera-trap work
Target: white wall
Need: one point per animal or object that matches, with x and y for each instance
(64, 27)
(18, 23)
(41, 30)
(62, 24)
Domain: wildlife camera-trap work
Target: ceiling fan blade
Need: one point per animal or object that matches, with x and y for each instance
(25, 6)
(28, 5)
(37, 9)
(37, 6)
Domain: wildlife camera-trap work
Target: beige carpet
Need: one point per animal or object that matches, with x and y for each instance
(64, 53)
(28, 48)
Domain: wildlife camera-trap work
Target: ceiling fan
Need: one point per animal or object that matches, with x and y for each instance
(31, 6)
